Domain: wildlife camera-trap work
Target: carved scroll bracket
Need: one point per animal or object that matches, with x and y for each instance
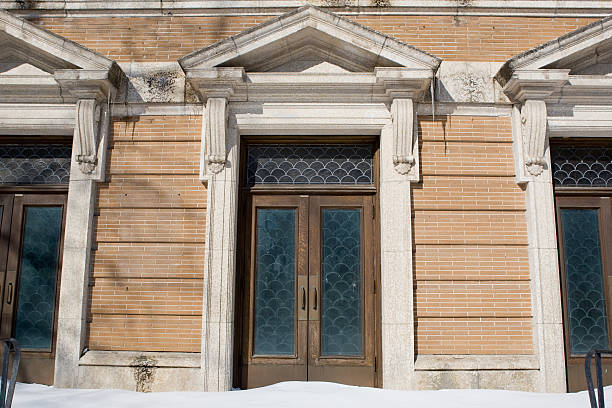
(533, 125)
(215, 123)
(90, 137)
(402, 113)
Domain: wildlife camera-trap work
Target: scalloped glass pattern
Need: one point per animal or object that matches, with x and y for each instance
(341, 333)
(309, 164)
(275, 282)
(589, 166)
(36, 294)
(584, 280)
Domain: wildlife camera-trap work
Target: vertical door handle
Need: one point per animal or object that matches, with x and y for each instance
(303, 298)
(9, 298)
(314, 306)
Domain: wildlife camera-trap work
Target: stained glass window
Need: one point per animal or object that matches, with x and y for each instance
(341, 331)
(584, 166)
(274, 282)
(309, 164)
(584, 280)
(34, 164)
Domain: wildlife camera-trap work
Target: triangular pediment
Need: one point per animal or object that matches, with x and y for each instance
(309, 40)
(586, 51)
(38, 65)
(23, 42)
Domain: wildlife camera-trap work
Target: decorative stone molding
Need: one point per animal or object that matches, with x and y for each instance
(533, 125)
(402, 113)
(90, 137)
(213, 140)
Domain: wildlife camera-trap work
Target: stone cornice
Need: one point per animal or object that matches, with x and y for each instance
(383, 85)
(535, 84)
(446, 7)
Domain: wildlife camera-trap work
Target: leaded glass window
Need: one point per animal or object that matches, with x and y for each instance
(309, 164)
(582, 166)
(23, 164)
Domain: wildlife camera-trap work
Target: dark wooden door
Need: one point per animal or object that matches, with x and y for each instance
(30, 264)
(310, 301)
(585, 251)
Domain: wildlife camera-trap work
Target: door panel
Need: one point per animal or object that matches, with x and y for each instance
(341, 330)
(276, 306)
(584, 246)
(310, 300)
(31, 284)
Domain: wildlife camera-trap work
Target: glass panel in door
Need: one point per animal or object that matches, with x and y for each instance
(31, 284)
(341, 296)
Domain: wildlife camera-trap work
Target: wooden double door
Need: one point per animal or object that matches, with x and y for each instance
(31, 231)
(308, 312)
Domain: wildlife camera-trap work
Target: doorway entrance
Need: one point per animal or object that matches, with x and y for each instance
(310, 285)
(31, 231)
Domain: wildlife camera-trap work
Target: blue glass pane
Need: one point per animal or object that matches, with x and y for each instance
(584, 280)
(36, 295)
(341, 333)
(275, 282)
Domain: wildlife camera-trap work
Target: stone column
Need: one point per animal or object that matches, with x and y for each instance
(87, 167)
(398, 169)
(542, 245)
(220, 170)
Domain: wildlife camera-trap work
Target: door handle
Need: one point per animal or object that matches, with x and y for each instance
(314, 306)
(303, 298)
(9, 298)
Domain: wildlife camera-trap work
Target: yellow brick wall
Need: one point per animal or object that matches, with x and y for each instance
(472, 289)
(147, 284)
(167, 38)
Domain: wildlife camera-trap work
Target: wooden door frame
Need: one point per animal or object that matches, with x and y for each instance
(243, 210)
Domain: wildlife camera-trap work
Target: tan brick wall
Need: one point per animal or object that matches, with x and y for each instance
(472, 289)
(167, 38)
(147, 283)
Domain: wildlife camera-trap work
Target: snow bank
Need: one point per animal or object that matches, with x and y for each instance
(296, 395)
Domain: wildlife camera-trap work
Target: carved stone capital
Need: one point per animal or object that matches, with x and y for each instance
(533, 125)
(402, 113)
(90, 135)
(215, 123)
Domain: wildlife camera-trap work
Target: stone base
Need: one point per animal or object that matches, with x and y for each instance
(145, 372)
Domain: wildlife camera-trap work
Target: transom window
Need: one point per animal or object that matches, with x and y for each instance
(309, 164)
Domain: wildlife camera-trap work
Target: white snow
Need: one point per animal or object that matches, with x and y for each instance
(296, 395)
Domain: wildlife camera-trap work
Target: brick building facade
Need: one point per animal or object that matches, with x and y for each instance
(466, 206)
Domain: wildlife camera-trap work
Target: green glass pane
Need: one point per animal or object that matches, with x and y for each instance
(586, 304)
(341, 333)
(275, 282)
(36, 295)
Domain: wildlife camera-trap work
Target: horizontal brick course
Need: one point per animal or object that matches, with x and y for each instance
(470, 227)
(477, 335)
(151, 225)
(155, 158)
(145, 333)
(472, 299)
(470, 262)
(146, 296)
(150, 260)
(468, 193)
(152, 191)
